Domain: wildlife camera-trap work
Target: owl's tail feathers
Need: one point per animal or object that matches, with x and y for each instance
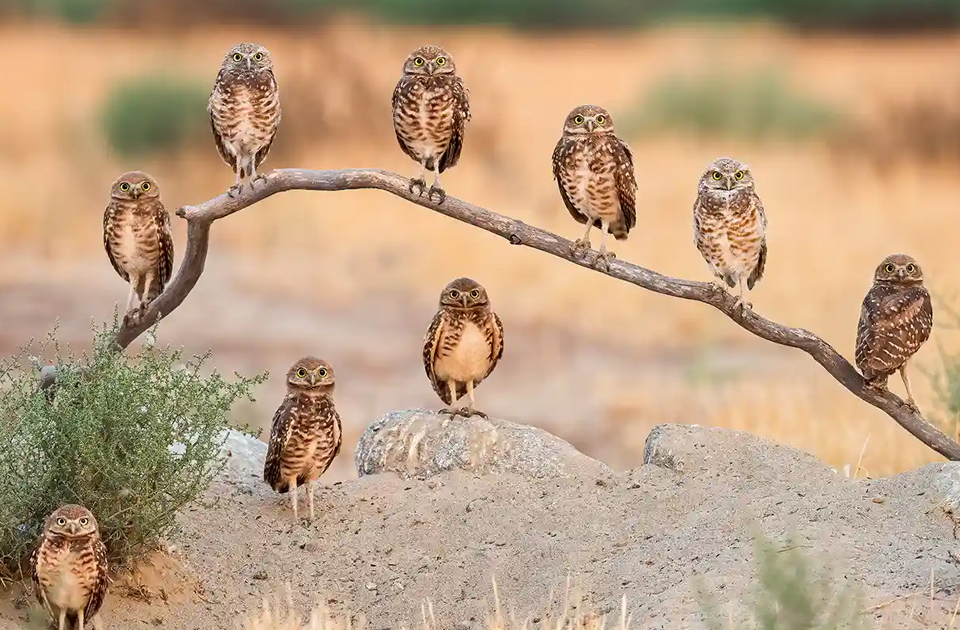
(619, 232)
(730, 280)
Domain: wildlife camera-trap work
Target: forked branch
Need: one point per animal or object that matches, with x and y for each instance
(199, 219)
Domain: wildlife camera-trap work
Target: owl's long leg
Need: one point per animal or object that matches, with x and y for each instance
(293, 497)
(741, 301)
(63, 618)
(237, 188)
(310, 497)
(582, 244)
(80, 619)
(471, 409)
(147, 298)
(418, 184)
(906, 383)
(603, 256)
(435, 187)
(451, 410)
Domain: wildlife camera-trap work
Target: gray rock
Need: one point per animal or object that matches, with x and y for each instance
(420, 443)
(245, 454)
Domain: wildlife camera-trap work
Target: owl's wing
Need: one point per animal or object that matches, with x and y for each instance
(37, 588)
(262, 153)
(101, 583)
(107, 219)
(626, 180)
(280, 429)
(757, 273)
(894, 323)
(399, 92)
(216, 102)
(334, 419)
(461, 114)
(165, 239)
(560, 152)
(495, 339)
(431, 342)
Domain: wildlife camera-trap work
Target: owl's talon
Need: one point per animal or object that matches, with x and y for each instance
(441, 195)
(580, 247)
(235, 191)
(417, 186)
(475, 412)
(259, 178)
(603, 260)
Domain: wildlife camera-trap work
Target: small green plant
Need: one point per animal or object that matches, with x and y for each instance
(789, 595)
(755, 106)
(146, 115)
(134, 439)
(70, 11)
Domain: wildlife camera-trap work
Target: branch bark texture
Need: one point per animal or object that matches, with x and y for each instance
(201, 217)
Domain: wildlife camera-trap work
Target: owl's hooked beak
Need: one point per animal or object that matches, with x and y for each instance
(136, 192)
(249, 63)
(73, 527)
(590, 125)
(463, 298)
(901, 273)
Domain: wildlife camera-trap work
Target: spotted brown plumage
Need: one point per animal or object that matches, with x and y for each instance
(137, 239)
(896, 318)
(595, 175)
(305, 435)
(244, 110)
(69, 568)
(430, 109)
(463, 344)
(730, 225)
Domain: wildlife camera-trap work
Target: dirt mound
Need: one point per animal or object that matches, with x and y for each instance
(382, 544)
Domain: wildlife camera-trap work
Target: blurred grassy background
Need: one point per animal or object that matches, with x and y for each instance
(848, 112)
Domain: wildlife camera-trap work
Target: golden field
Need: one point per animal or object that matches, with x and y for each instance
(831, 218)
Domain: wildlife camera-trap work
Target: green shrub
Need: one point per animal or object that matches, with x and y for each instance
(145, 115)
(788, 595)
(104, 441)
(70, 11)
(756, 107)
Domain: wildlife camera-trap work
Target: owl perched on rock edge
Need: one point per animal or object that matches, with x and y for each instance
(594, 172)
(463, 344)
(69, 568)
(730, 226)
(244, 110)
(137, 238)
(305, 435)
(896, 318)
(430, 109)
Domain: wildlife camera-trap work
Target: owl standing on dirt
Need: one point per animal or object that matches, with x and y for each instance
(69, 567)
(730, 226)
(463, 344)
(244, 110)
(594, 171)
(896, 318)
(137, 238)
(305, 435)
(430, 109)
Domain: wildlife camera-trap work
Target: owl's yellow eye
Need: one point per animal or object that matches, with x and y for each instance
(237, 57)
(441, 61)
(889, 268)
(717, 175)
(454, 294)
(322, 372)
(258, 56)
(738, 174)
(145, 186)
(301, 372)
(61, 521)
(601, 120)
(83, 522)
(124, 186)
(475, 294)
(418, 61)
(911, 268)
(578, 120)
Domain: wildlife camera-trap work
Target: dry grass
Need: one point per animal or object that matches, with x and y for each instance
(277, 614)
(831, 219)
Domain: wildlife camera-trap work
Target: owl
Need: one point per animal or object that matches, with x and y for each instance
(305, 435)
(895, 320)
(244, 110)
(463, 344)
(430, 109)
(730, 226)
(69, 567)
(136, 235)
(594, 172)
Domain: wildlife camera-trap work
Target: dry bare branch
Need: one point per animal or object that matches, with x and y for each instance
(200, 217)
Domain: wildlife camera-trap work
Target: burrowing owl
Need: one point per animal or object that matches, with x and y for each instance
(463, 344)
(430, 109)
(730, 226)
(895, 320)
(244, 111)
(70, 567)
(136, 235)
(594, 171)
(305, 436)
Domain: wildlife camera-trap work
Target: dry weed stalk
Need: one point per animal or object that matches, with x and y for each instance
(200, 219)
